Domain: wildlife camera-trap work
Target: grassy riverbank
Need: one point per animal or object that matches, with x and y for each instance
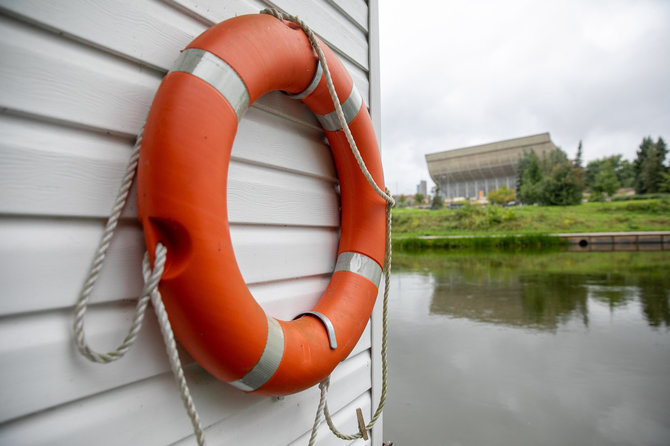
(647, 215)
(524, 226)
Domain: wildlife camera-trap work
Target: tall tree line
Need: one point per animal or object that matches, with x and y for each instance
(556, 180)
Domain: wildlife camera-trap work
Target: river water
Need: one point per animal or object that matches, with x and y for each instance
(542, 349)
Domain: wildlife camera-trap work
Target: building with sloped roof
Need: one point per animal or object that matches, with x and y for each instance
(472, 172)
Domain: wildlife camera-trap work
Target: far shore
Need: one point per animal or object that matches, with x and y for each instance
(522, 227)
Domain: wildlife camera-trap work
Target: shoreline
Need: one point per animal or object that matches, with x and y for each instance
(579, 240)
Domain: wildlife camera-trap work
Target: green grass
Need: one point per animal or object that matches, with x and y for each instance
(619, 216)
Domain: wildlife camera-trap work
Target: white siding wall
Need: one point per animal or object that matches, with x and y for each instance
(76, 80)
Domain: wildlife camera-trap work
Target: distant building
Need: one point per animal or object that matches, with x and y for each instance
(472, 172)
(422, 188)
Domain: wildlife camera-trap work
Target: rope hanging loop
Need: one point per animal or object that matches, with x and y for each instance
(390, 203)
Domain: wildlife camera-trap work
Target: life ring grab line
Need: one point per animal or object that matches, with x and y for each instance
(222, 76)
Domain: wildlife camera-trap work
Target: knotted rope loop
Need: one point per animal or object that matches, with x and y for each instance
(96, 266)
(152, 278)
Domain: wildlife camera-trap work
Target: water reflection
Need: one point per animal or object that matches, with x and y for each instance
(543, 291)
(523, 350)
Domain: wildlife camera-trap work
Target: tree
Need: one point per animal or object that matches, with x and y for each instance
(649, 166)
(561, 187)
(563, 182)
(578, 158)
(624, 172)
(419, 198)
(623, 169)
(606, 181)
(437, 201)
(530, 175)
(502, 195)
(665, 184)
(520, 169)
(591, 172)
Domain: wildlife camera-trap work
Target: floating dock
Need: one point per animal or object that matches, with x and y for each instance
(617, 238)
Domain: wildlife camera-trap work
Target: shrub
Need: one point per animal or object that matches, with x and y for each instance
(501, 196)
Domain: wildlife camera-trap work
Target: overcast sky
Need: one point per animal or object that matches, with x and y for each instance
(459, 73)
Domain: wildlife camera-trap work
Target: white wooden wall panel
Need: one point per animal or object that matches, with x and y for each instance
(76, 81)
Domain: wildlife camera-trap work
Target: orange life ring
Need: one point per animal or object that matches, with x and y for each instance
(183, 169)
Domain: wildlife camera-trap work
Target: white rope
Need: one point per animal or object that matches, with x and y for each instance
(170, 344)
(317, 418)
(390, 202)
(149, 291)
(94, 272)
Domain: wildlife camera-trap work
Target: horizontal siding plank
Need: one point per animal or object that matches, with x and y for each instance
(262, 138)
(280, 198)
(267, 254)
(45, 262)
(355, 10)
(38, 183)
(270, 140)
(227, 412)
(212, 12)
(148, 32)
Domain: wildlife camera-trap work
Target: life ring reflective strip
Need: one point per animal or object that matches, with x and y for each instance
(182, 176)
